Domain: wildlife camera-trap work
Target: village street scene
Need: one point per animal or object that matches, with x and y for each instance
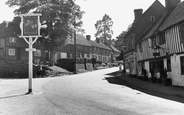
(53, 63)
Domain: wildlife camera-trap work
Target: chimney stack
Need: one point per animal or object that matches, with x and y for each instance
(137, 13)
(98, 40)
(88, 37)
(171, 4)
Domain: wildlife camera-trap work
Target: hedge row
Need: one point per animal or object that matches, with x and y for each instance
(69, 64)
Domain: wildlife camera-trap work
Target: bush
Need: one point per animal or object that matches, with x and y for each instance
(67, 64)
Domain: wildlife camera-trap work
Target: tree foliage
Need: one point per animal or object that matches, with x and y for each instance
(120, 40)
(103, 28)
(57, 18)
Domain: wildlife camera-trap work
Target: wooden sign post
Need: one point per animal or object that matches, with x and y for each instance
(30, 28)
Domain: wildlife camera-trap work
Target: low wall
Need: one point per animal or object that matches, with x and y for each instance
(15, 70)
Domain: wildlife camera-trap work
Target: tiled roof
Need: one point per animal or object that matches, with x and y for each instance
(142, 16)
(9, 29)
(99, 45)
(104, 46)
(93, 43)
(175, 17)
(114, 49)
(156, 26)
(80, 40)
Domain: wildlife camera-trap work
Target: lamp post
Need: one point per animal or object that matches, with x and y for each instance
(155, 54)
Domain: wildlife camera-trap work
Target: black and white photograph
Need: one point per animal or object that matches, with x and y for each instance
(92, 57)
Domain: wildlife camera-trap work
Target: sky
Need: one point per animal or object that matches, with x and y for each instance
(121, 12)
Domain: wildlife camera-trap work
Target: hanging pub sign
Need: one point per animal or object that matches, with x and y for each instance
(156, 54)
(30, 25)
(30, 28)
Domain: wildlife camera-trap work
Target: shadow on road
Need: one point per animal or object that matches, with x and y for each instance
(12, 96)
(113, 79)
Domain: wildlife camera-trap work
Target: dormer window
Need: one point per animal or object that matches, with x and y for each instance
(151, 19)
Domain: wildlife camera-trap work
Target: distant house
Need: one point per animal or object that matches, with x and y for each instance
(100, 51)
(142, 22)
(86, 48)
(83, 48)
(13, 57)
(115, 53)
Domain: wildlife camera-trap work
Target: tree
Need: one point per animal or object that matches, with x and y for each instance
(103, 28)
(120, 40)
(57, 19)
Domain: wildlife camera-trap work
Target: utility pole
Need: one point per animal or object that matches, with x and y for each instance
(75, 48)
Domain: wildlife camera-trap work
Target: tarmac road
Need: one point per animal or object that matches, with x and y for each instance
(82, 94)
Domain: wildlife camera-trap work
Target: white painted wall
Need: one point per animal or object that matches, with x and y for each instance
(175, 74)
(147, 67)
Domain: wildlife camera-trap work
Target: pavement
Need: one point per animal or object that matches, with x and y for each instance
(159, 88)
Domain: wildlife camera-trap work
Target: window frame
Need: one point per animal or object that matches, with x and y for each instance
(38, 53)
(151, 19)
(162, 38)
(12, 39)
(11, 51)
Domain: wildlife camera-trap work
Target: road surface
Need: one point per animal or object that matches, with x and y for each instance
(82, 94)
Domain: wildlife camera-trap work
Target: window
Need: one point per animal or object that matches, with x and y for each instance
(11, 52)
(151, 19)
(182, 65)
(100, 58)
(104, 59)
(78, 55)
(82, 55)
(58, 55)
(161, 38)
(69, 55)
(12, 39)
(154, 41)
(78, 47)
(149, 42)
(37, 53)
